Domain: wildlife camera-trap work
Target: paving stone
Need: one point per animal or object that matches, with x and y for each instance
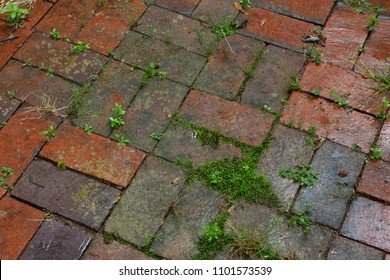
(21, 140)
(42, 50)
(178, 142)
(331, 193)
(376, 179)
(55, 241)
(182, 6)
(224, 73)
(368, 221)
(269, 85)
(98, 250)
(242, 123)
(349, 85)
(195, 206)
(118, 84)
(384, 139)
(287, 241)
(183, 31)
(7, 106)
(215, 10)
(2, 192)
(156, 184)
(106, 29)
(387, 257)
(347, 249)
(181, 66)
(37, 12)
(67, 193)
(18, 224)
(331, 121)
(149, 111)
(67, 17)
(346, 30)
(275, 28)
(287, 150)
(93, 155)
(314, 11)
(383, 4)
(34, 87)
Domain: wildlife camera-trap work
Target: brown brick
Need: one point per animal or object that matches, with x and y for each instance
(182, 6)
(383, 4)
(331, 121)
(37, 12)
(18, 224)
(384, 139)
(215, 10)
(375, 180)
(2, 192)
(7, 106)
(93, 155)
(347, 249)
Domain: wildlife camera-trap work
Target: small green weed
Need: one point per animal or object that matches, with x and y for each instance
(363, 6)
(4, 123)
(376, 153)
(50, 133)
(61, 165)
(4, 173)
(88, 129)
(56, 35)
(340, 101)
(316, 91)
(293, 83)
(224, 29)
(117, 120)
(122, 140)
(156, 136)
(11, 94)
(301, 219)
(362, 49)
(312, 137)
(267, 109)
(304, 175)
(207, 43)
(77, 100)
(79, 47)
(151, 71)
(356, 148)
(383, 109)
(49, 72)
(247, 3)
(372, 22)
(27, 63)
(315, 55)
(15, 15)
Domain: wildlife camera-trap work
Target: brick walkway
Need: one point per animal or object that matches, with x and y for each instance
(155, 186)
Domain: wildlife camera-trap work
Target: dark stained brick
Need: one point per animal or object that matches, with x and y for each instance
(347, 249)
(182, 6)
(7, 106)
(215, 10)
(384, 139)
(375, 180)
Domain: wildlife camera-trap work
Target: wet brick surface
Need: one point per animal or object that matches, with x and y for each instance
(347, 249)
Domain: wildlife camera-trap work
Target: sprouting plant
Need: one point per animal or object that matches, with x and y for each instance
(340, 101)
(11, 94)
(382, 109)
(293, 83)
(363, 6)
(362, 49)
(88, 129)
(156, 136)
(315, 55)
(101, 2)
(267, 109)
(79, 47)
(312, 137)
(4, 173)
(50, 133)
(15, 15)
(117, 120)
(27, 63)
(49, 72)
(376, 153)
(61, 165)
(372, 22)
(151, 71)
(304, 175)
(122, 140)
(301, 219)
(247, 3)
(316, 91)
(56, 35)
(356, 148)
(226, 28)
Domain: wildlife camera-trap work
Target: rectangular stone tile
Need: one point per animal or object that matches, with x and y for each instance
(338, 170)
(7, 106)
(314, 11)
(349, 85)
(162, 24)
(287, 241)
(269, 85)
(142, 209)
(66, 193)
(384, 139)
(181, 65)
(21, 140)
(224, 73)
(288, 149)
(375, 180)
(99, 250)
(242, 123)
(18, 224)
(117, 84)
(55, 241)
(2, 192)
(106, 29)
(368, 221)
(275, 28)
(67, 17)
(179, 142)
(182, 6)
(347, 249)
(56, 54)
(37, 12)
(93, 155)
(195, 206)
(331, 121)
(149, 112)
(215, 10)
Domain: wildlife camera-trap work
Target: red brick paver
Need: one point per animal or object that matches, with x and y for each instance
(384, 139)
(376, 179)
(2, 192)
(94, 155)
(182, 6)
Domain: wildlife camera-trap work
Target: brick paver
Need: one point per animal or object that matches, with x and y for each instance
(8, 106)
(215, 11)
(384, 139)
(375, 180)
(18, 224)
(347, 249)
(2, 192)
(331, 121)
(182, 6)
(94, 155)
(37, 11)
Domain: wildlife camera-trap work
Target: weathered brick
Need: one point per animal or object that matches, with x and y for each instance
(195, 206)
(287, 150)
(331, 121)
(331, 192)
(99, 250)
(224, 73)
(384, 139)
(106, 29)
(376, 179)
(181, 65)
(55, 241)
(149, 112)
(142, 209)
(118, 84)
(215, 10)
(368, 221)
(67, 193)
(314, 11)
(37, 12)
(349, 86)
(269, 85)
(182, 6)
(8, 106)
(2, 192)
(242, 123)
(387, 257)
(287, 241)
(18, 224)
(383, 4)
(93, 155)
(56, 54)
(21, 140)
(275, 28)
(347, 249)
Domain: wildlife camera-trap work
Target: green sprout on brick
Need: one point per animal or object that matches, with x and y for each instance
(376, 153)
(301, 219)
(316, 91)
(117, 121)
(356, 148)
(27, 63)
(56, 35)
(79, 47)
(15, 15)
(340, 101)
(226, 28)
(304, 175)
(363, 6)
(362, 49)
(122, 140)
(293, 83)
(247, 3)
(49, 72)
(383, 109)
(156, 136)
(372, 23)
(4, 173)
(88, 129)
(61, 165)
(151, 71)
(11, 94)
(50, 133)
(315, 55)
